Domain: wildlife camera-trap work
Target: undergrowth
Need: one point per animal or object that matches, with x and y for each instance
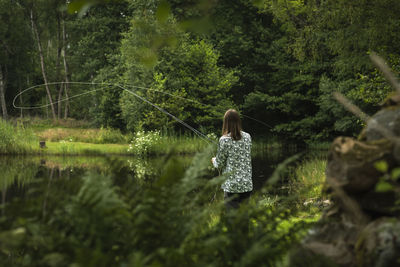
(178, 219)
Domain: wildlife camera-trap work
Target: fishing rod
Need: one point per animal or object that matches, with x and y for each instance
(200, 134)
(197, 132)
(197, 102)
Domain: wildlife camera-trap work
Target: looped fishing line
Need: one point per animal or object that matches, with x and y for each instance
(197, 132)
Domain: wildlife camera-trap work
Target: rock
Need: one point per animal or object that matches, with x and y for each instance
(351, 231)
(379, 244)
(361, 227)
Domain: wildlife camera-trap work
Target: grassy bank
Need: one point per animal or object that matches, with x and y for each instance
(22, 138)
(163, 146)
(69, 137)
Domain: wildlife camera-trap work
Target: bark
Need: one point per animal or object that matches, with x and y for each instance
(361, 226)
(59, 105)
(59, 87)
(66, 69)
(42, 64)
(2, 95)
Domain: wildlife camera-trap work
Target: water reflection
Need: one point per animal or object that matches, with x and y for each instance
(22, 175)
(62, 175)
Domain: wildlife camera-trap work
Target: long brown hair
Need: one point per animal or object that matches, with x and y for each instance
(232, 124)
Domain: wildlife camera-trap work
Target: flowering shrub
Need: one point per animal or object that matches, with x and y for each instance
(143, 142)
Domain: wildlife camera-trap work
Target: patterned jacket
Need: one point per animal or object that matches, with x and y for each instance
(234, 158)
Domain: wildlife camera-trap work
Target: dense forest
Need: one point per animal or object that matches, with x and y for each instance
(277, 61)
(101, 100)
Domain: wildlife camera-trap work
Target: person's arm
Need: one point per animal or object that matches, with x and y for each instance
(222, 154)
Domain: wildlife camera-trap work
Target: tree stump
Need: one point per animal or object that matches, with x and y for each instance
(362, 226)
(42, 144)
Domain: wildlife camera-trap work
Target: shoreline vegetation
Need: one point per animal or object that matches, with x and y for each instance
(70, 137)
(76, 138)
(72, 223)
(99, 206)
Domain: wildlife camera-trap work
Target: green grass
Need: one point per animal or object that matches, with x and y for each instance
(96, 136)
(22, 137)
(307, 180)
(15, 139)
(40, 124)
(179, 144)
(164, 146)
(79, 148)
(70, 137)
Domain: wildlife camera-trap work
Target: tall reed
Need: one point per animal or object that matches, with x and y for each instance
(307, 181)
(16, 139)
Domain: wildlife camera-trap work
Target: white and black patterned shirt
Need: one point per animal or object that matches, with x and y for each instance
(234, 158)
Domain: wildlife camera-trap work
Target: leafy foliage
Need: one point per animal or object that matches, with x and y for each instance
(187, 72)
(175, 220)
(276, 61)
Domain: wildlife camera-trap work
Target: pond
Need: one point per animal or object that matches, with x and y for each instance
(42, 176)
(60, 210)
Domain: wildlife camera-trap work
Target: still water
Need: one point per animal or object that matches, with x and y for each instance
(46, 179)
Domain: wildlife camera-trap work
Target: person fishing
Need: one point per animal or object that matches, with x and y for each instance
(234, 159)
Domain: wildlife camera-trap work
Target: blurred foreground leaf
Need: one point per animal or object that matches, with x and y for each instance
(163, 11)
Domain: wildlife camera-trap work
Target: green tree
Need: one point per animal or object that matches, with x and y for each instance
(186, 68)
(95, 57)
(15, 55)
(329, 39)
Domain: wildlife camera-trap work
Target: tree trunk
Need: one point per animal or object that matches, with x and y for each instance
(36, 34)
(60, 44)
(66, 69)
(59, 105)
(2, 95)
